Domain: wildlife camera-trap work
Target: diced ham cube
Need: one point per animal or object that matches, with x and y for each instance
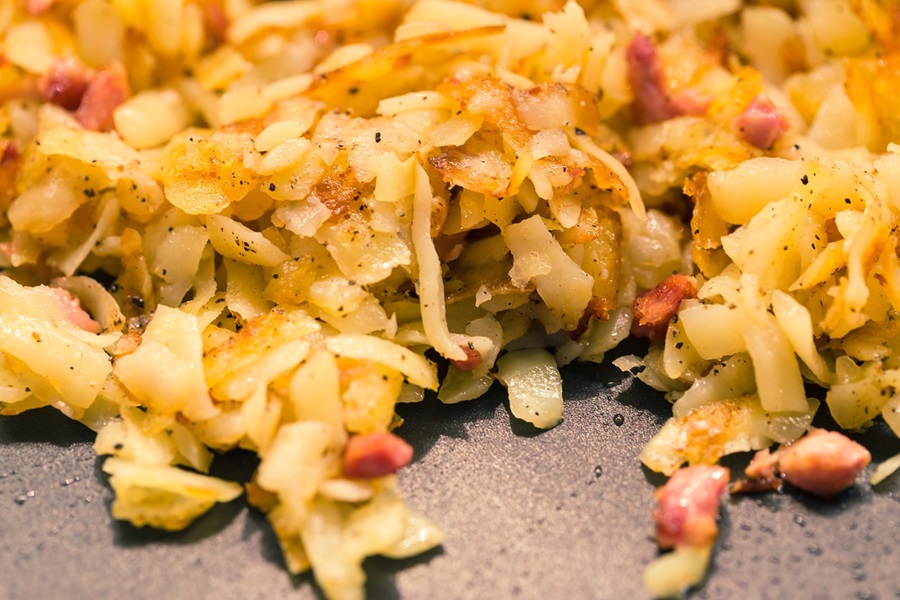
(648, 81)
(371, 455)
(823, 462)
(72, 310)
(106, 90)
(654, 101)
(65, 84)
(761, 123)
(688, 506)
(472, 361)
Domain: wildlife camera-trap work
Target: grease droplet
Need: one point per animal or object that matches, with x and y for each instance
(799, 520)
(619, 419)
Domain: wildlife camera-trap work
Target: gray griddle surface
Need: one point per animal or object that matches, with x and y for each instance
(564, 513)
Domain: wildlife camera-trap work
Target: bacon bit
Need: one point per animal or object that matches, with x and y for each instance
(761, 123)
(688, 505)
(754, 486)
(373, 455)
(65, 84)
(763, 466)
(822, 463)
(597, 308)
(216, 22)
(761, 475)
(106, 90)
(654, 308)
(648, 81)
(71, 308)
(10, 154)
(36, 7)
(473, 358)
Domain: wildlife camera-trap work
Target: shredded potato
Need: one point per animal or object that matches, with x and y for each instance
(257, 225)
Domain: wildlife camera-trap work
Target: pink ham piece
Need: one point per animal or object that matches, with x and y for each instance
(472, 361)
(761, 123)
(36, 7)
(371, 455)
(106, 90)
(653, 100)
(648, 81)
(688, 506)
(690, 102)
(10, 154)
(72, 310)
(655, 308)
(822, 463)
(65, 84)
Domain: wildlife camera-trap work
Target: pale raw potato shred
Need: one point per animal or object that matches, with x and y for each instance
(261, 225)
